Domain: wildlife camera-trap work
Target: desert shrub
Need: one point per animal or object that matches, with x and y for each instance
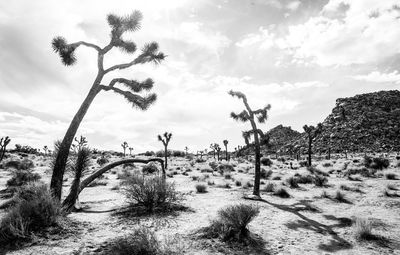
(281, 192)
(303, 163)
(276, 178)
(314, 170)
(363, 229)
(249, 184)
(327, 164)
(320, 180)
(231, 223)
(270, 187)
(102, 161)
(340, 197)
(361, 171)
(266, 161)
(391, 176)
(213, 165)
(201, 188)
(265, 174)
(391, 187)
(304, 179)
(210, 183)
(151, 192)
(228, 176)
(24, 164)
(149, 168)
(194, 177)
(376, 163)
(325, 194)
(226, 185)
(200, 160)
(225, 168)
(292, 182)
(34, 211)
(22, 177)
(238, 183)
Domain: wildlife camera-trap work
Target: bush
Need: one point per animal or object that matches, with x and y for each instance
(22, 177)
(303, 163)
(391, 176)
(102, 161)
(292, 182)
(225, 168)
(25, 164)
(320, 181)
(281, 192)
(327, 164)
(339, 196)
(201, 188)
(34, 211)
(228, 176)
(265, 174)
(200, 160)
(266, 161)
(238, 183)
(270, 187)
(305, 179)
(213, 165)
(150, 192)
(376, 163)
(232, 222)
(363, 229)
(149, 168)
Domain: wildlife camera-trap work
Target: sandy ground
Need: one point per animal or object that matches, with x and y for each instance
(287, 225)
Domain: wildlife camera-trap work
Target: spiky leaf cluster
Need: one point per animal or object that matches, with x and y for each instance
(243, 116)
(313, 131)
(120, 25)
(165, 138)
(135, 85)
(64, 50)
(150, 53)
(82, 162)
(262, 114)
(140, 102)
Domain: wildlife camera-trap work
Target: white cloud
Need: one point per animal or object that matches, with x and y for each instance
(264, 39)
(376, 76)
(293, 6)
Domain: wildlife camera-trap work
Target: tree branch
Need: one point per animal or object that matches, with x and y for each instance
(90, 45)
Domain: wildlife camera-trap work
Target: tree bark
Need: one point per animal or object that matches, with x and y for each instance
(165, 157)
(257, 173)
(226, 153)
(63, 151)
(309, 150)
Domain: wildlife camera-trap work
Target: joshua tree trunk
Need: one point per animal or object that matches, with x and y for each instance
(70, 200)
(309, 151)
(329, 153)
(257, 176)
(63, 152)
(165, 157)
(226, 152)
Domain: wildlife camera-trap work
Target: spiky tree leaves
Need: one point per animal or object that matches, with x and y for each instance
(249, 115)
(165, 138)
(312, 132)
(4, 141)
(149, 53)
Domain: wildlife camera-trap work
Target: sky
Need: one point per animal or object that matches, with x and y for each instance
(298, 56)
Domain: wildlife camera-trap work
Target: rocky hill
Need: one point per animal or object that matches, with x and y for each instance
(280, 136)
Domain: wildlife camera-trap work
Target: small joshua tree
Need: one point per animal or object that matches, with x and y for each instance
(80, 143)
(226, 149)
(167, 137)
(217, 149)
(212, 147)
(311, 132)
(124, 145)
(249, 115)
(130, 151)
(4, 141)
(45, 148)
(186, 150)
(149, 53)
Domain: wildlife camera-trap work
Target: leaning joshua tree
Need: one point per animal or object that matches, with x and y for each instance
(226, 149)
(249, 115)
(4, 141)
(124, 145)
(149, 53)
(167, 136)
(311, 132)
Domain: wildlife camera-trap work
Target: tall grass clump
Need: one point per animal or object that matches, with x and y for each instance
(376, 163)
(231, 223)
(22, 177)
(35, 210)
(201, 188)
(151, 192)
(363, 229)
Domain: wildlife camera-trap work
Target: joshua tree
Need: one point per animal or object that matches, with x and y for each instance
(201, 154)
(130, 151)
(4, 141)
(149, 53)
(80, 143)
(226, 149)
(218, 149)
(124, 145)
(249, 115)
(311, 132)
(186, 150)
(212, 147)
(167, 136)
(45, 150)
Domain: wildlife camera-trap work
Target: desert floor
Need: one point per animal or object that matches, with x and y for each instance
(305, 223)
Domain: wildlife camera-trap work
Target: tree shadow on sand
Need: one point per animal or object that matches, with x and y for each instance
(335, 244)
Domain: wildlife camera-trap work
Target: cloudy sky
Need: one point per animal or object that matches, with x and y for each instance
(297, 55)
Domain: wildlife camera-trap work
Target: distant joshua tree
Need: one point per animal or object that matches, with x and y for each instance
(186, 150)
(212, 147)
(201, 154)
(311, 132)
(80, 143)
(4, 141)
(130, 151)
(226, 149)
(167, 137)
(124, 145)
(66, 51)
(218, 149)
(249, 115)
(45, 148)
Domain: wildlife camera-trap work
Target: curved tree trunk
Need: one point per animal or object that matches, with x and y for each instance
(257, 173)
(63, 151)
(70, 200)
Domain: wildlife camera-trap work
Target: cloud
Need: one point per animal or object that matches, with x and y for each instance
(378, 77)
(264, 39)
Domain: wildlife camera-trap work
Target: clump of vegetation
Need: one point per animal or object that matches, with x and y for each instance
(266, 161)
(340, 197)
(225, 168)
(24, 164)
(281, 192)
(34, 211)
(149, 168)
(305, 179)
(142, 241)
(391, 176)
(201, 188)
(150, 192)
(210, 183)
(327, 164)
(22, 177)
(376, 163)
(238, 183)
(228, 176)
(292, 182)
(320, 181)
(102, 161)
(232, 222)
(265, 174)
(363, 229)
(303, 163)
(213, 165)
(270, 187)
